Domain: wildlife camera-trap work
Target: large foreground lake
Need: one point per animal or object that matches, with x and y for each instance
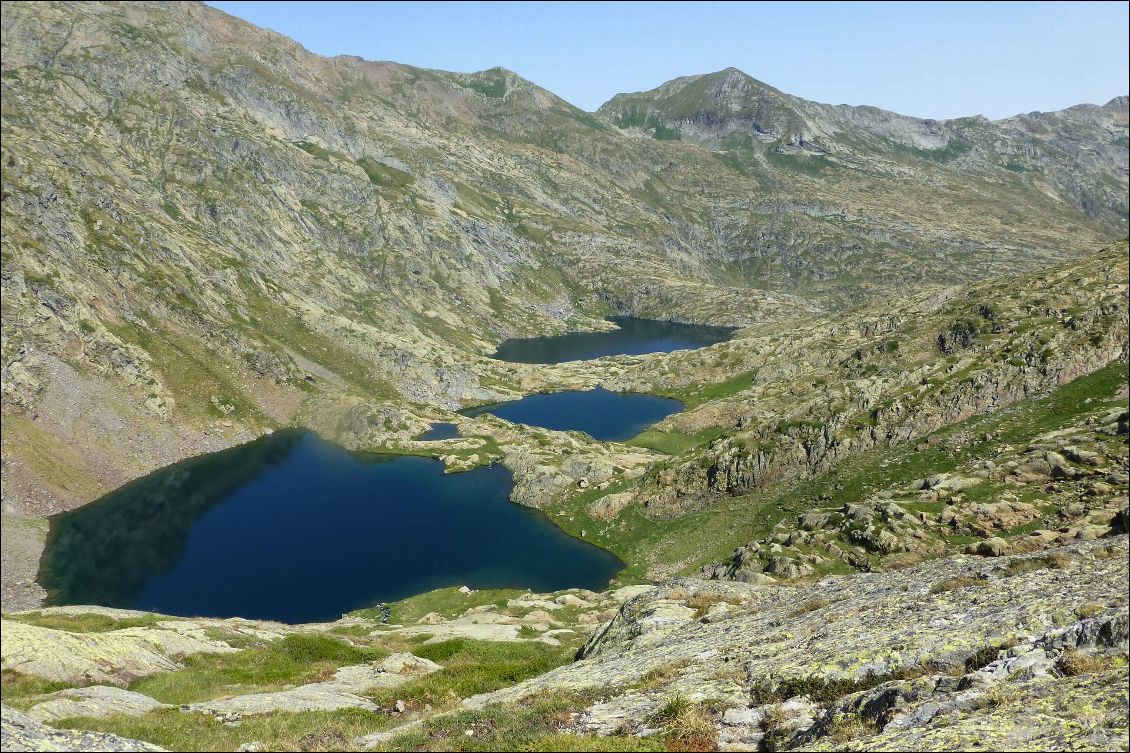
(292, 528)
(633, 337)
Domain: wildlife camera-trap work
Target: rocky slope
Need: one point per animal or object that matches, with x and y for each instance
(846, 386)
(1071, 480)
(873, 655)
(209, 231)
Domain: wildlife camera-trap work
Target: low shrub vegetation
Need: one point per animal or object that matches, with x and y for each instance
(293, 660)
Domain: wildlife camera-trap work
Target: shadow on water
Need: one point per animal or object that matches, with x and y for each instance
(105, 551)
(294, 529)
(633, 337)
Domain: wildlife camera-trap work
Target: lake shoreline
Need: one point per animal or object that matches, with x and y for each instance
(480, 513)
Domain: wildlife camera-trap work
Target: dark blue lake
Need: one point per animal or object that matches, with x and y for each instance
(634, 337)
(294, 529)
(607, 416)
(439, 431)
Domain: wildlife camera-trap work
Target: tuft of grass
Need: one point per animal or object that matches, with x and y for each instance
(1001, 694)
(174, 729)
(847, 728)
(657, 677)
(1073, 663)
(809, 606)
(956, 582)
(1105, 552)
(774, 728)
(1088, 610)
(675, 706)
(471, 667)
(1057, 561)
(689, 725)
(15, 684)
(702, 602)
(293, 660)
(84, 623)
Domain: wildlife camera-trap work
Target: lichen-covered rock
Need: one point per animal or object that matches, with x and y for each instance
(92, 701)
(1043, 712)
(914, 651)
(343, 691)
(646, 618)
(116, 657)
(909, 522)
(19, 732)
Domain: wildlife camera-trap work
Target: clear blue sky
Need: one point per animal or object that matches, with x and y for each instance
(936, 60)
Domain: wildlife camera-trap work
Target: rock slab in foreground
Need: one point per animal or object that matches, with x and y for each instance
(96, 700)
(340, 692)
(19, 732)
(1022, 652)
(115, 658)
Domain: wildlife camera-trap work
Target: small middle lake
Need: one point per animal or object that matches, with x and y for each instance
(607, 416)
(439, 431)
(633, 337)
(292, 528)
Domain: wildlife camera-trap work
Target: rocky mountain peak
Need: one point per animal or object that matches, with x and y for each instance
(738, 90)
(1120, 108)
(705, 108)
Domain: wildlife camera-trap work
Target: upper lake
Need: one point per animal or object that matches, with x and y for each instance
(292, 528)
(634, 337)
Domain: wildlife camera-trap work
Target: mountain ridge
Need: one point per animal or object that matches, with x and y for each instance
(1118, 101)
(731, 112)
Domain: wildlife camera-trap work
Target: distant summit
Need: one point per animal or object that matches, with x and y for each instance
(732, 112)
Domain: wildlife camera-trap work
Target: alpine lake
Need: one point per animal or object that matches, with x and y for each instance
(294, 529)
